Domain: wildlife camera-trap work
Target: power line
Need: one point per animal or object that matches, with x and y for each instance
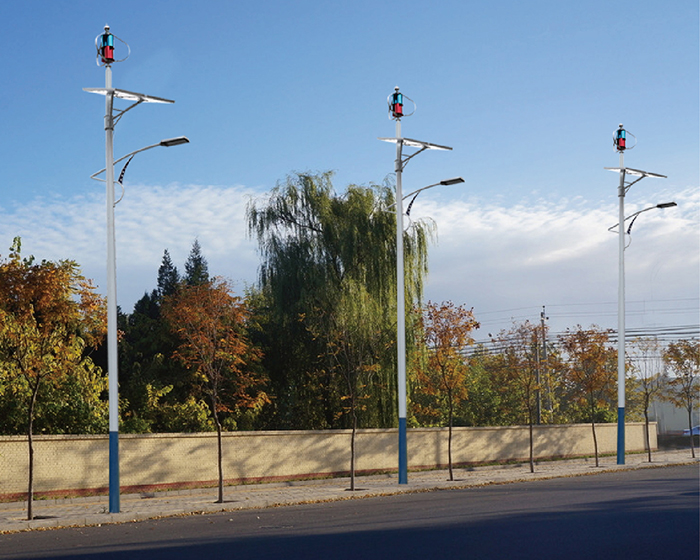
(596, 309)
(492, 346)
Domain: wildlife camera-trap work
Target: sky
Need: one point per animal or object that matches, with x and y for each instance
(528, 95)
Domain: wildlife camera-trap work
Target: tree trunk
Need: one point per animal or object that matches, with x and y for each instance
(690, 427)
(646, 431)
(595, 439)
(352, 448)
(532, 442)
(30, 488)
(30, 441)
(352, 390)
(220, 498)
(449, 440)
(595, 442)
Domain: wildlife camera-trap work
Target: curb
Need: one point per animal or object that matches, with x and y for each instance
(70, 512)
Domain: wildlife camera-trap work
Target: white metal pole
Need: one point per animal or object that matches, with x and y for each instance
(112, 362)
(621, 320)
(400, 312)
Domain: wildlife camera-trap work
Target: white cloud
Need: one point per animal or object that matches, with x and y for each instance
(494, 257)
(147, 221)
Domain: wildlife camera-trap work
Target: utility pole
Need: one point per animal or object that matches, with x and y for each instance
(396, 108)
(543, 317)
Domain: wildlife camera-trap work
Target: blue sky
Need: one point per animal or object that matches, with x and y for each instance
(527, 93)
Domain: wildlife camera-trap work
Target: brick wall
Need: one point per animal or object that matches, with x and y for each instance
(67, 465)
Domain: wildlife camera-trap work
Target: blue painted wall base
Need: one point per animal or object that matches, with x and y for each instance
(113, 472)
(621, 436)
(403, 455)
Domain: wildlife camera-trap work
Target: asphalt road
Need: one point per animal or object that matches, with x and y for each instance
(642, 514)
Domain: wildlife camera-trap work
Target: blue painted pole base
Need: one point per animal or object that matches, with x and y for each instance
(113, 472)
(403, 454)
(621, 436)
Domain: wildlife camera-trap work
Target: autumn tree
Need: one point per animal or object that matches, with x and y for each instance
(158, 394)
(523, 372)
(648, 367)
(210, 322)
(445, 334)
(590, 371)
(683, 361)
(317, 247)
(49, 316)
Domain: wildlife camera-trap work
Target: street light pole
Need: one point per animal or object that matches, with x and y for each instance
(400, 311)
(396, 110)
(414, 194)
(621, 316)
(634, 216)
(620, 142)
(112, 357)
(105, 56)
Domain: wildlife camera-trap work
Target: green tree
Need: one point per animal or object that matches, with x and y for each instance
(444, 332)
(154, 414)
(153, 387)
(71, 404)
(49, 315)
(488, 404)
(196, 267)
(317, 247)
(683, 361)
(168, 276)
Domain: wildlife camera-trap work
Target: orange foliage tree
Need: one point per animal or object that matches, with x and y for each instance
(49, 314)
(591, 370)
(520, 366)
(444, 332)
(211, 323)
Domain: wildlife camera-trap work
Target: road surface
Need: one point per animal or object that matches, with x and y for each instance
(641, 514)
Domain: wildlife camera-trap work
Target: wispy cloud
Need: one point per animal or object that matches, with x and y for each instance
(488, 255)
(497, 257)
(148, 220)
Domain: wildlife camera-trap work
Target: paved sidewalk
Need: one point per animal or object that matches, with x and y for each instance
(135, 507)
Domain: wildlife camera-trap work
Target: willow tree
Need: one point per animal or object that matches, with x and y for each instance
(316, 247)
